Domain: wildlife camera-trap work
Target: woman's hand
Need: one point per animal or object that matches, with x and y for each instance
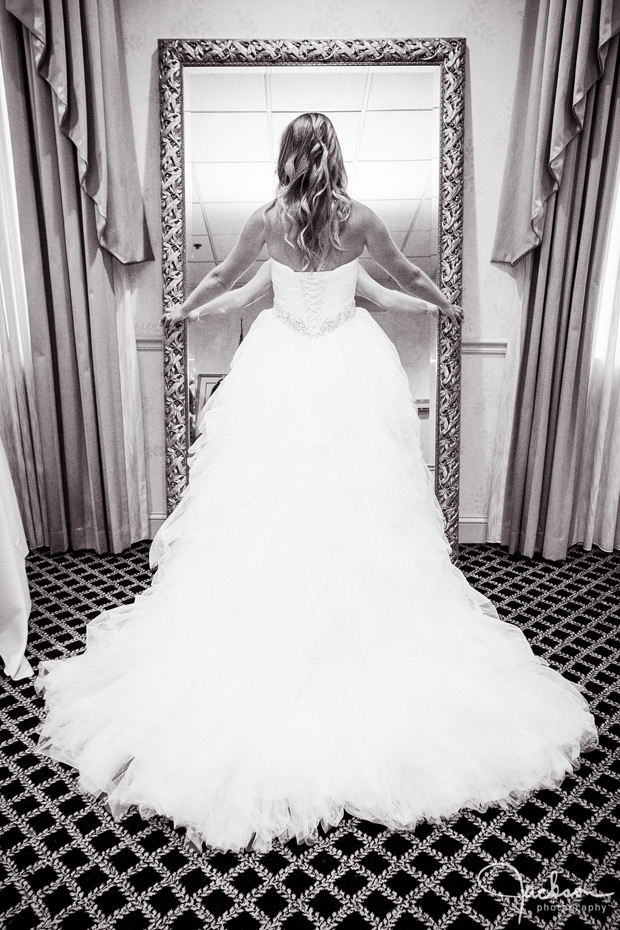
(453, 312)
(177, 314)
(174, 314)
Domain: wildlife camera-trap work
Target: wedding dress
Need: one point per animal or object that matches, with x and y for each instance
(306, 646)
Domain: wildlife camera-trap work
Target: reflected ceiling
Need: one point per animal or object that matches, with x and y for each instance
(387, 120)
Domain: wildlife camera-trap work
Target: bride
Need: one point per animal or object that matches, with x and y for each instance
(306, 646)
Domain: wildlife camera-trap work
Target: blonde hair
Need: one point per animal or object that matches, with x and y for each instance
(311, 197)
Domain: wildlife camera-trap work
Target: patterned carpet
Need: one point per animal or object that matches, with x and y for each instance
(65, 863)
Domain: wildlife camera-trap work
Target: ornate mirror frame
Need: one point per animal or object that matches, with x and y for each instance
(449, 54)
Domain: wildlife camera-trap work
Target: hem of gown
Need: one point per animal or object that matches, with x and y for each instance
(258, 842)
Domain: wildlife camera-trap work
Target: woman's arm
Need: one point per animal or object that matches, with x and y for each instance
(240, 297)
(222, 277)
(411, 278)
(389, 299)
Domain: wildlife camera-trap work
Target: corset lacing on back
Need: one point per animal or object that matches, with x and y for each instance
(312, 320)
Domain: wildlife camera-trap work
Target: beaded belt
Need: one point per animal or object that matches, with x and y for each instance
(314, 327)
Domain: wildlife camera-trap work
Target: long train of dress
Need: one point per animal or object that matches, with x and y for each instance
(307, 647)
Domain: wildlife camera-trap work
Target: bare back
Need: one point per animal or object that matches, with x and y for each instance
(352, 240)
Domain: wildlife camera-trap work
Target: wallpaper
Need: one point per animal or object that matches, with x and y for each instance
(492, 29)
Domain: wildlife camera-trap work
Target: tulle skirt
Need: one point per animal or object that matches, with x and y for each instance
(306, 646)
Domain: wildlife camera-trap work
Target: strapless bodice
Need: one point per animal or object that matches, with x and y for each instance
(314, 302)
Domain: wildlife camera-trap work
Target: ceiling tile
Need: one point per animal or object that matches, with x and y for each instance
(428, 214)
(191, 189)
(316, 89)
(223, 182)
(230, 218)
(396, 88)
(396, 135)
(418, 245)
(199, 249)
(395, 180)
(196, 272)
(240, 137)
(396, 214)
(224, 88)
(195, 222)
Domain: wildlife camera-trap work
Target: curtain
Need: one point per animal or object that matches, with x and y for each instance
(597, 518)
(19, 422)
(81, 219)
(15, 602)
(555, 207)
(16, 408)
(506, 411)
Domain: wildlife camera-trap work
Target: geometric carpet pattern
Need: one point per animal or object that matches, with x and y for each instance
(65, 863)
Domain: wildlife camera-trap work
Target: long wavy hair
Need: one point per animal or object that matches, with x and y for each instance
(311, 197)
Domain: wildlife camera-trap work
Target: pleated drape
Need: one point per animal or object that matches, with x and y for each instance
(555, 209)
(76, 48)
(81, 215)
(596, 520)
(564, 49)
(15, 603)
(19, 421)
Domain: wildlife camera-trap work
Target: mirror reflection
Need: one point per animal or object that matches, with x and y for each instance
(388, 122)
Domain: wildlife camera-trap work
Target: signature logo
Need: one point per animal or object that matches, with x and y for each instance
(528, 891)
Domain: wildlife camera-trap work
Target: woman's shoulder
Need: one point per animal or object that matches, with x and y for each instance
(362, 217)
(268, 215)
(261, 215)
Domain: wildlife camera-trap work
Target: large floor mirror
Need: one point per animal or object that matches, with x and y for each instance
(397, 106)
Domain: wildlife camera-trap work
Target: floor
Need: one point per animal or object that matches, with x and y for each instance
(65, 863)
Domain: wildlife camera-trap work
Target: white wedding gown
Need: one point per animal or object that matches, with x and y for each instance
(307, 646)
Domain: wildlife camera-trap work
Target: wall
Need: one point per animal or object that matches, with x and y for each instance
(492, 30)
